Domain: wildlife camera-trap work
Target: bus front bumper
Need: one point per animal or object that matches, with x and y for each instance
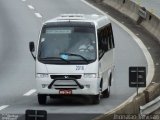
(87, 86)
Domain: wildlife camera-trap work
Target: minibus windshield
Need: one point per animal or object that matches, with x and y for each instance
(78, 41)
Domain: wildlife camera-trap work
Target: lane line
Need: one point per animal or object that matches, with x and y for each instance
(30, 92)
(3, 107)
(31, 7)
(38, 15)
(151, 68)
(23, 0)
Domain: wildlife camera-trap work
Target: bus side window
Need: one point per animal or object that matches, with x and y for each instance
(110, 36)
(102, 42)
(105, 40)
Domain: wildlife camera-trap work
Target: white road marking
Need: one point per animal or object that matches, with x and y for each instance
(38, 15)
(23, 0)
(31, 7)
(3, 107)
(151, 68)
(30, 92)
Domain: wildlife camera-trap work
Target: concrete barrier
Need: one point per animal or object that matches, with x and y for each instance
(126, 7)
(131, 9)
(152, 91)
(152, 25)
(117, 4)
(132, 107)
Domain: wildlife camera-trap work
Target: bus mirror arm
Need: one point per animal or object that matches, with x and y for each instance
(32, 49)
(33, 56)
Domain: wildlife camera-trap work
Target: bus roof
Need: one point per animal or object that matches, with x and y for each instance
(98, 20)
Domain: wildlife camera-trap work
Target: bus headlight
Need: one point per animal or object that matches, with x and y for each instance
(90, 75)
(42, 75)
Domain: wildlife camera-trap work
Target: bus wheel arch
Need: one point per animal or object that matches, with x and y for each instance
(110, 80)
(101, 84)
(106, 92)
(42, 99)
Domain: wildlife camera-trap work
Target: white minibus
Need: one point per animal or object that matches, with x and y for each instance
(74, 56)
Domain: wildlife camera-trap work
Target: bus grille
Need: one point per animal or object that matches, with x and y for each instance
(66, 76)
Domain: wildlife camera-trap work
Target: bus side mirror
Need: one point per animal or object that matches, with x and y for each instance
(32, 49)
(31, 46)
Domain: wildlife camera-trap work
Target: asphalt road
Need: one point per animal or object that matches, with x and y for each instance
(18, 25)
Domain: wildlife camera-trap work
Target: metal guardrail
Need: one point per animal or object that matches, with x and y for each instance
(150, 107)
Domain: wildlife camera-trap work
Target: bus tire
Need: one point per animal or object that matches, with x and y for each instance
(42, 99)
(96, 99)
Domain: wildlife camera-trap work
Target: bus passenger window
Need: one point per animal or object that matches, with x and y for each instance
(105, 40)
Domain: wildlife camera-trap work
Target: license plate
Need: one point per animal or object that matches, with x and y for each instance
(65, 92)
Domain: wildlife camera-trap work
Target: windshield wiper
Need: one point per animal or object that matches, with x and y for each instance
(53, 58)
(72, 54)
